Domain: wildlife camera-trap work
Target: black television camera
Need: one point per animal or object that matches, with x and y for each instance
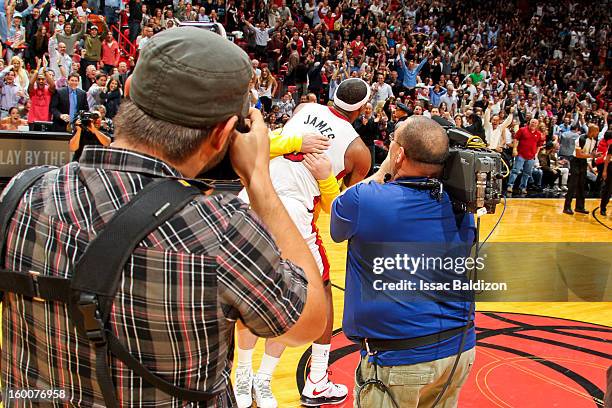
(86, 118)
(472, 174)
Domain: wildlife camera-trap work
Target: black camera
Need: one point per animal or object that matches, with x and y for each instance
(472, 173)
(86, 118)
(224, 170)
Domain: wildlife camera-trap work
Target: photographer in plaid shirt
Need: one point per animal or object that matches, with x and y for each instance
(187, 91)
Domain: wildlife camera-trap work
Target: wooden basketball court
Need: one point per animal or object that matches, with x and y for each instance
(529, 369)
(501, 378)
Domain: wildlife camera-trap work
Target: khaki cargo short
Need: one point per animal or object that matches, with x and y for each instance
(413, 386)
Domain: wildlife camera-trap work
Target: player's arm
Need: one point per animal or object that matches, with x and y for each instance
(357, 162)
(320, 167)
(282, 144)
(330, 189)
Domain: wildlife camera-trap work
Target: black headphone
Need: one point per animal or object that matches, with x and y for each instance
(434, 185)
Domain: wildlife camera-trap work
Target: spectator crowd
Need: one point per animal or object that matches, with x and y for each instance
(491, 67)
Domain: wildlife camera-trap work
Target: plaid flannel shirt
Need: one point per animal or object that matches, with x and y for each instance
(162, 311)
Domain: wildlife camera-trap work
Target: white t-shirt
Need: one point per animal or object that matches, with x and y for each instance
(383, 93)
(142, 42)
(450, 100)
(589, 145)
(81, 12)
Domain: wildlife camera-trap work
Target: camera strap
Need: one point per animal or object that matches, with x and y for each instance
(89, 297)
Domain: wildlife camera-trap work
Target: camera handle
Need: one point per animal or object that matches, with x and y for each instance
(434, 185)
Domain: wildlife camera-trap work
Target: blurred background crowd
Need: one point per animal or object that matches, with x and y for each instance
(491, 67)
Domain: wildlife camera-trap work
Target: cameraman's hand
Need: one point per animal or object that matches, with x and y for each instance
(77, 123)
(386, 167)
(314, 143)
(250, 152)
(318, 164)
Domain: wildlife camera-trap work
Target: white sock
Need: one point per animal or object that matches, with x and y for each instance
(267, 367)
(245, 358)
(319, 360)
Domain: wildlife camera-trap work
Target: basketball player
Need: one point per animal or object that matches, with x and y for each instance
(300, 192)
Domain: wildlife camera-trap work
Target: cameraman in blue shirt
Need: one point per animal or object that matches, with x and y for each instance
(409, 339)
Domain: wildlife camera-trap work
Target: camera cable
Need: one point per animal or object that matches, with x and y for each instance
(470, 318)
(376, 382)
(594, 212)
(495, 226)
(472, 309)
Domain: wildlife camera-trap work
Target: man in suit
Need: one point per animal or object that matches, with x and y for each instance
(67, 102)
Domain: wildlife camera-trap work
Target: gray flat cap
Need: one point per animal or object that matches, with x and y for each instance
(191, 77)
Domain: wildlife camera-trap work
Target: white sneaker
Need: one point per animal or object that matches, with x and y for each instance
(323, 392)
(244, 387)
(263, 393)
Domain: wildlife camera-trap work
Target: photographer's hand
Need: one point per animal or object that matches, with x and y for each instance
(386, 167)
(102, 138)
(250, 152)
(75, 141)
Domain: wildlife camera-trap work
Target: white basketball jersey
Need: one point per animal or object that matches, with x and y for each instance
(289, 176)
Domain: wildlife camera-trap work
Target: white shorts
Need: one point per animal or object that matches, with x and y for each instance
(304, 221)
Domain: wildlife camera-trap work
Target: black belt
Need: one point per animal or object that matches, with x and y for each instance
(373, 346)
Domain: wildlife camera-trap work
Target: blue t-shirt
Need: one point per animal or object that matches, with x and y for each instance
(376, 218)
